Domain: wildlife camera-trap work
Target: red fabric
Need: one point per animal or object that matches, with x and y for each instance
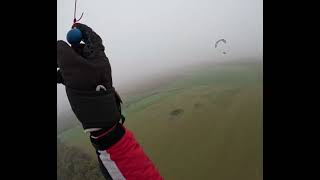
(131, 160)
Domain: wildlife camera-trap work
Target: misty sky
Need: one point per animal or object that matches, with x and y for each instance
(146, 37)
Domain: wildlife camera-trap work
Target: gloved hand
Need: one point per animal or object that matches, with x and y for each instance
(84, 68)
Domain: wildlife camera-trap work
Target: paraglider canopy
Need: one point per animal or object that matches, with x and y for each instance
(219, 41)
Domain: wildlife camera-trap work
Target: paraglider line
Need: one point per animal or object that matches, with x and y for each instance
(74, 15)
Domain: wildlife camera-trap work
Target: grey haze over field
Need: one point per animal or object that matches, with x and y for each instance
(145, 38)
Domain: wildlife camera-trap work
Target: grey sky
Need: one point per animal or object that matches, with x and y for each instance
(145, 37)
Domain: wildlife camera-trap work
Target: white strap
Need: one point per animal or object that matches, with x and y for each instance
(99, 87)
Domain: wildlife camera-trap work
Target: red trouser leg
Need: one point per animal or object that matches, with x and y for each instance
(126, 160)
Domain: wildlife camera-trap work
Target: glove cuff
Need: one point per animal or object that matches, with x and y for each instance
(94, 109)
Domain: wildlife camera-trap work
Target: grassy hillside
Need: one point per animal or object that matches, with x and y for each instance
(206, 125)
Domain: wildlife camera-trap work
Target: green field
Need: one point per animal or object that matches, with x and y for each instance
(205, 125)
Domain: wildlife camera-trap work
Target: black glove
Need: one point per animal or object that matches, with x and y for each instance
(83, 68)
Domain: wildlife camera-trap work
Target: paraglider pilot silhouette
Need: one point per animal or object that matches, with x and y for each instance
(85, 71)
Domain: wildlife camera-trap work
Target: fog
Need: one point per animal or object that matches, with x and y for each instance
(145, 38)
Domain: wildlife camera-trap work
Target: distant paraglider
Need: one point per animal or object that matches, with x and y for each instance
(217, 44)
